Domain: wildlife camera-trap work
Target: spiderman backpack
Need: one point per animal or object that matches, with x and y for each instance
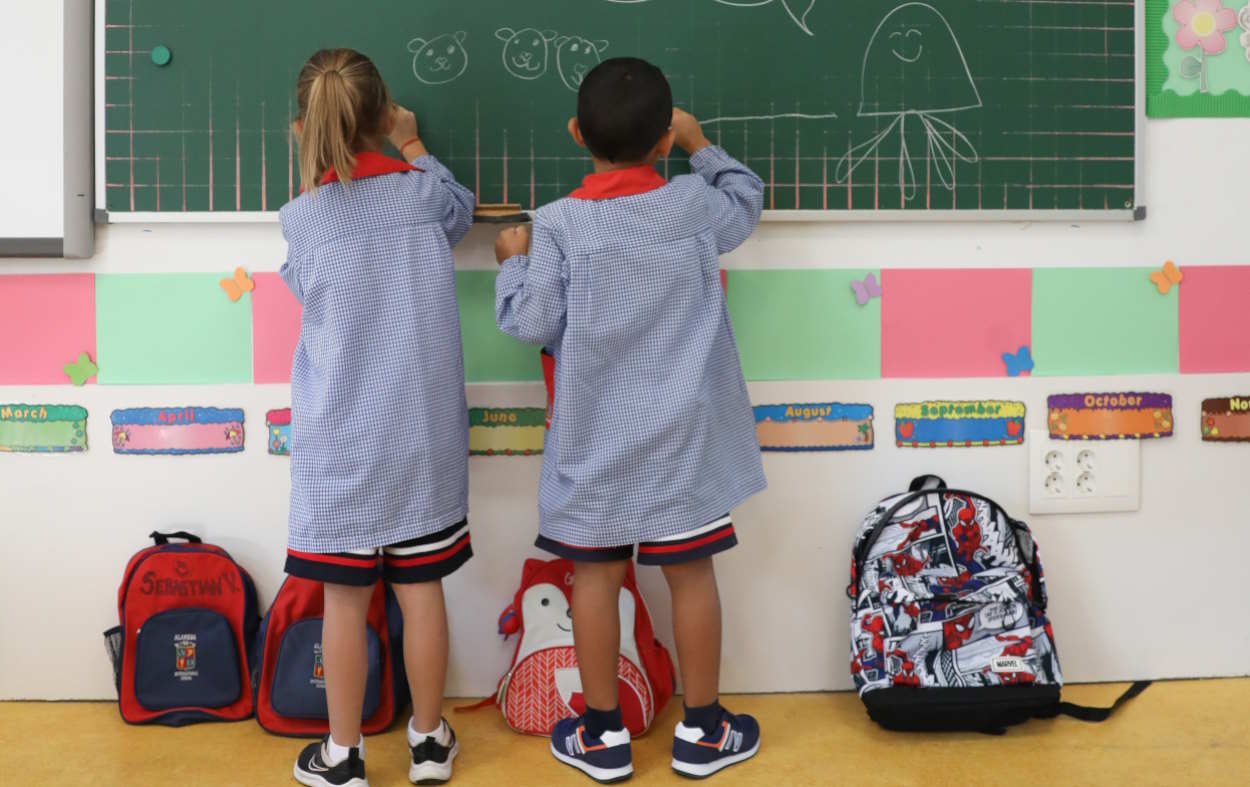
(543, 684)
(188, 616)
(288, 676)
(948, 617)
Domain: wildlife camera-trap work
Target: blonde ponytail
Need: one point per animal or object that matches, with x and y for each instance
(343, 106)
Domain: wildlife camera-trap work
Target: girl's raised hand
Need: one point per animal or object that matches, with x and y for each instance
(404, 129)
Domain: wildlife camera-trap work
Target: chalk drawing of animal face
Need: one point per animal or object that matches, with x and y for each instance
(439, 60)
(525, 51)
(575, 57)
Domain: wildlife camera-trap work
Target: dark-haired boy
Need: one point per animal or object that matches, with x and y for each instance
(652, 438)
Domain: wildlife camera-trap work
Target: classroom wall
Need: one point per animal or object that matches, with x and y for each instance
(1156, 593)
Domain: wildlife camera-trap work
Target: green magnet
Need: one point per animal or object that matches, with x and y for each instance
(161, 55)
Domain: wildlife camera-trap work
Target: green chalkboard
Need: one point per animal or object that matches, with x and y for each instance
(866, 105)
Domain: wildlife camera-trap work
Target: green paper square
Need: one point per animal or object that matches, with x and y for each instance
(1102, 321)
(1169, 93)
(490, 355)
(171, 329)
(804, 325)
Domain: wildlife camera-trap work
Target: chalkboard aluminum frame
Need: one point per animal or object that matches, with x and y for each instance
(1136, 213)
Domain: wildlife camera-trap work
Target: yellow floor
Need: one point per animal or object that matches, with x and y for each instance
(1177, 733)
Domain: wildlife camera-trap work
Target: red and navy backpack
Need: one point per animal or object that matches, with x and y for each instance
(289, 680)
(948, 617)
(188, 616)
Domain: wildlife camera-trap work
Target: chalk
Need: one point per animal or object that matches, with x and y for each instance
(161, 55)
(500, 213)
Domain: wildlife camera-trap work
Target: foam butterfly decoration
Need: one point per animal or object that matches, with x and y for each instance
(81, 370)
(866, 290)
(1168, 276)
(1018, 362)
(235, 287)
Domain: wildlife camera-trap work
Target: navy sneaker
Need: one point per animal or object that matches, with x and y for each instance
(606, 759)
(311, 768)
(698, 755)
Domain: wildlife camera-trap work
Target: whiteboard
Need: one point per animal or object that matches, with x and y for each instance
(32, 45)
(46, 206)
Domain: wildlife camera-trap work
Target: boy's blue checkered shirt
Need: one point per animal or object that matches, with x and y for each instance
(379, 423)
(652, 432)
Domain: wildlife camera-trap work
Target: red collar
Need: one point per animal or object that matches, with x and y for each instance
(369, 164)
(620, 183)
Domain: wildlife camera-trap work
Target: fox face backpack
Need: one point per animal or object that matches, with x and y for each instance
(543, 684)
(289, 678)
(188, 615)
(948, 617)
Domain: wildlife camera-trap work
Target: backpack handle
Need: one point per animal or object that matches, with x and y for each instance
(162, 539)
(926, 482)
(1018, 529)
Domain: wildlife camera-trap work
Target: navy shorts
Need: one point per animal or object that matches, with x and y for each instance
(686, 547)
(423, 559)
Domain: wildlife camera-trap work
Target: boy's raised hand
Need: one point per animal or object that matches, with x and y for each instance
(689, 136)
(511, 242)
(404, 133)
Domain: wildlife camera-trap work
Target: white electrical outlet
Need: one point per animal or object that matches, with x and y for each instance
(1083, 476)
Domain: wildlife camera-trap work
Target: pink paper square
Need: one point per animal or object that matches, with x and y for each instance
(953, 322)
(1214, 320)
(275, 329)
(46, 322)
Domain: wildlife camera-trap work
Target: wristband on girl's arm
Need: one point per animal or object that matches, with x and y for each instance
(405, 145)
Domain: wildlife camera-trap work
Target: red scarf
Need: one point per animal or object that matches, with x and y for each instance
(370, 164)
(620, 183)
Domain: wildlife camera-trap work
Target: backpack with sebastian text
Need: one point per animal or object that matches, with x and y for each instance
(948, 617)
(188, 616)
(543, 684)
(288, 675)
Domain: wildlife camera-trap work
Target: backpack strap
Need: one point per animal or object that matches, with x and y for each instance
(1028, 551)
(485, 703)
(1090, 714)
(162, 539)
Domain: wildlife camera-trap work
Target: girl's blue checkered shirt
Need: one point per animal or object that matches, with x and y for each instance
(379, 429)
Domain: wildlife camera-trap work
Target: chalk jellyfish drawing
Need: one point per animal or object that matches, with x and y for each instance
(575, 57)
(439, 60)
(525, 51)
(797, 9)
(914, 68)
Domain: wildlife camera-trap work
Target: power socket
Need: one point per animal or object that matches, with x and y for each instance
(1083, 476)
